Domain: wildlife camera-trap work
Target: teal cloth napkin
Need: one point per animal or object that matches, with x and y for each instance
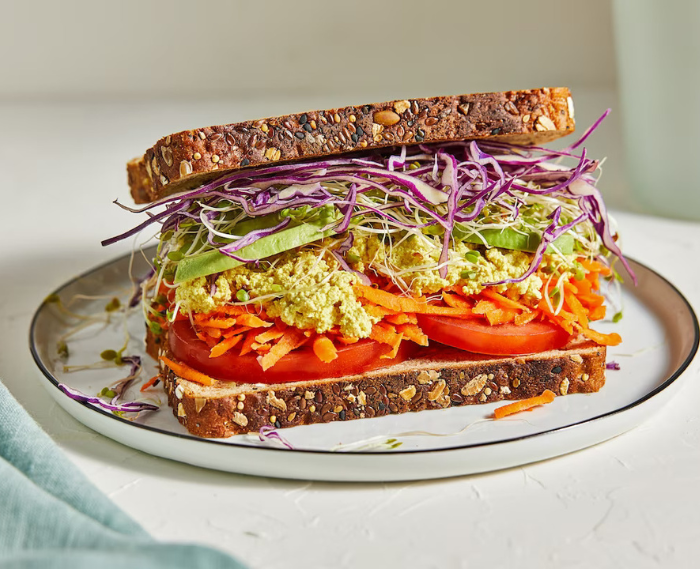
(52, 516)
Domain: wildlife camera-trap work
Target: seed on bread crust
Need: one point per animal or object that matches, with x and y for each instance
(386, 118)
(408, 393)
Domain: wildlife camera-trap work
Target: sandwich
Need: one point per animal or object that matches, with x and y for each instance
(350, 263)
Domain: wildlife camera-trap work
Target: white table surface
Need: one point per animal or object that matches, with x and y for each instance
(630, 502)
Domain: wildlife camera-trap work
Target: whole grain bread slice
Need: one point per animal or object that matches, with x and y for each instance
(440, 378)
(190, 158)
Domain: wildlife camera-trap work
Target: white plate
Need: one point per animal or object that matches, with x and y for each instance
(660, 333)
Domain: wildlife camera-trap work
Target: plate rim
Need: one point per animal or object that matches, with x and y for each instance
(637, 402)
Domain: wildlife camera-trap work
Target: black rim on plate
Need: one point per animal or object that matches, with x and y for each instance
(665, 384)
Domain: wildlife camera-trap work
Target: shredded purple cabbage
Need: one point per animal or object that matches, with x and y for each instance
(120, 387)
(128, 407)
(138, 292)
(463, 177)
(267, 433)
(612, 365)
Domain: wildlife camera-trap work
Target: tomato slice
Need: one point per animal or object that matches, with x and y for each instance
(299, 365)
(476, 335)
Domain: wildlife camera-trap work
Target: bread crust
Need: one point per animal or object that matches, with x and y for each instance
(440, 378)
(190, 158)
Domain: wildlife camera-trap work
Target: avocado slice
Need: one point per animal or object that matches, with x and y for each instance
(214, 262)
(510, 239)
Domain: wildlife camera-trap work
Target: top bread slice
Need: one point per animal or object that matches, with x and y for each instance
(187, 159)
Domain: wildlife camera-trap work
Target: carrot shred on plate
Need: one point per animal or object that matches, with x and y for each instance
(524, 404)
(150, 383)
(347, 339)
(324, 349)
(224, 346)
(186, 372)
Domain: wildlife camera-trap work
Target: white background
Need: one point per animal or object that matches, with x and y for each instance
(84, 86)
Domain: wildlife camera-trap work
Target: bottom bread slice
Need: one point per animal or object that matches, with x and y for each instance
(440, 378)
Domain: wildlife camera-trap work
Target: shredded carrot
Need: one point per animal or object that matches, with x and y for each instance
(231, 310)
(403, 304)
(596, 267)
(224, 346)
(504, 301)
(572, 288)
(151, 382)
(525, 317)
(455, 300)
(213, 322)
(524, 405)
(402, 319)
(593, 279)
(389, 300)
(494, 314)
(603, 339)
(215, 333)
(247, 346)
(252, 321)
(236, 331)
(268, 335)
(261, 348)
(347, 339)
(414, 333)
(563, 319)
(598, 313)
(386, 334)
(186, 372)
(204, 338)
(291, 340)
(577, 309)
(591, 300)
(324, 349)
(378, 311)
